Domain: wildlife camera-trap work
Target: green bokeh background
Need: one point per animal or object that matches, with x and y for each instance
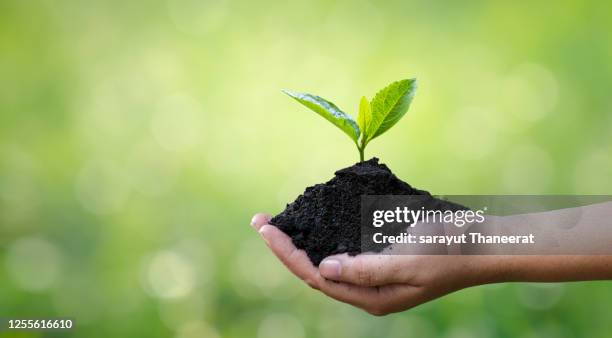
(137, 138)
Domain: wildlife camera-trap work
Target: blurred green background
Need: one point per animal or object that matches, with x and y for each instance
(137, 138)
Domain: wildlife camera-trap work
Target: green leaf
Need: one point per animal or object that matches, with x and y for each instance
(329, 111)
(389, 105)
(365, 115)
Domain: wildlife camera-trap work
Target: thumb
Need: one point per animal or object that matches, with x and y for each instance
(364, 269)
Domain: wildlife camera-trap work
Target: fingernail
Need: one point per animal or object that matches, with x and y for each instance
(330, 268)
(262, 231)
(253, 220)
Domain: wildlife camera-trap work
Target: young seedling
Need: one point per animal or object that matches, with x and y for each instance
(374, 118)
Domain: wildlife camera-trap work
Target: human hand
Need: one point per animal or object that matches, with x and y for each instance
(382, 284)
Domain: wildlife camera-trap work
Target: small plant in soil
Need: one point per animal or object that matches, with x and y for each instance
(325, 219)
(374, 118)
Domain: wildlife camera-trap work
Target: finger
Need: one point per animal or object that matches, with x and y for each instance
(365, 270)
(294, 259)
(259, 220)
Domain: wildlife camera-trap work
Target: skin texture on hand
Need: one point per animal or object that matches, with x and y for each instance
(383, 284)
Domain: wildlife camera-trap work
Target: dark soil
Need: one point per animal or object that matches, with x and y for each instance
(326, 219)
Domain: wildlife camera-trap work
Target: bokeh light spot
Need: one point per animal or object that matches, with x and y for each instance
(592, 173)
(152, 170)
(176, 125)
(197, 329)
(527, 169)
(280, 325)
(175, 313)
(197, 17)
(19, 193)
(102, 187)
(413, 326)
(540, 296)
(275, 283)
(530, 91)
(473, 132)
(34, 263)
(169, 275)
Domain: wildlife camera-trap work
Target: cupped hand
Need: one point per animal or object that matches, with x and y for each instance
(378, 284)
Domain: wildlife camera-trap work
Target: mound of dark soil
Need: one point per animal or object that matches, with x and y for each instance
(326, 218)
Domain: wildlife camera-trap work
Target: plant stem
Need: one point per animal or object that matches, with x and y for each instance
(361, 150)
